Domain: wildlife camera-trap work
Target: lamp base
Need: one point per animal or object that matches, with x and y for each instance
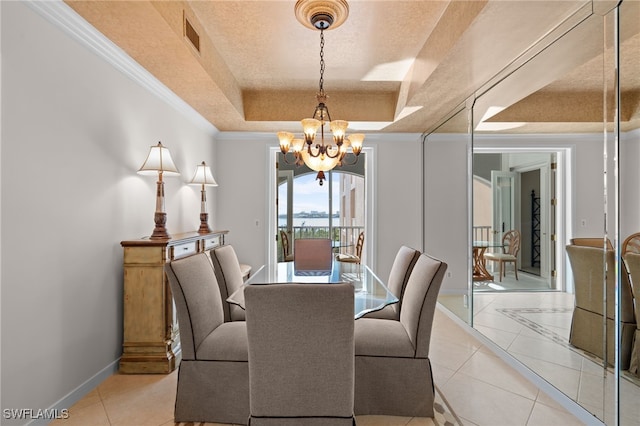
(160, 232)
(204, 224)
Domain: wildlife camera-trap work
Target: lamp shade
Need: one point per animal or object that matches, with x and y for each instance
(159, 160)
(356, 140)
(203, 176)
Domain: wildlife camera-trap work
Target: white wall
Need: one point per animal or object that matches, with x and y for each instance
(242, 194)
(630, 182)
(446, 221)
(74, 131)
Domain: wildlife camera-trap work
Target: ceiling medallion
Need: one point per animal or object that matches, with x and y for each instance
(315, 14)
(321, 157)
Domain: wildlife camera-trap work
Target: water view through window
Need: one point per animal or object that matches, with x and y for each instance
(334, 210)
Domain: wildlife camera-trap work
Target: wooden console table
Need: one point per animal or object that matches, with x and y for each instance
(151, 341)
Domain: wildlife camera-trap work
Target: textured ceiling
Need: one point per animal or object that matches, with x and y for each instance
(393, 66)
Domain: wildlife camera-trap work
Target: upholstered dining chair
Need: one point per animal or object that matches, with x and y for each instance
(403, 264)
(632, 264)
(213, 376)
(229, 275)
(355, 257)
(631, 244)
(592, 242)
(393, 371)
(509, 254)
(594, 281)
(312, 254)
(287, 256)
(301, 354)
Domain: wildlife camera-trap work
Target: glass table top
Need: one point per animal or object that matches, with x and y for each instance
(371, 294)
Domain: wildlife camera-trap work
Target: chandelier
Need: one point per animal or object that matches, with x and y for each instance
(320, 155)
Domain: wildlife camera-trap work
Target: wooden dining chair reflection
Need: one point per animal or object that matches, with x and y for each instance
(509, 254)
(287, 256)
(357, 256)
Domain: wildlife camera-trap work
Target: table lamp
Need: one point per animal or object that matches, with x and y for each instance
(159, 161)
(203, 177)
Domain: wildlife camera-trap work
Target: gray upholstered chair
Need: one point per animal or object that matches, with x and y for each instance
(301, 354)
(312, 254)
(587, 322)
(632, 265)
(229, 275)
(393, 371)
(400, 271)
(213, 377)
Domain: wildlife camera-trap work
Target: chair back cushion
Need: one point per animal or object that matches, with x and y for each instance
(419, 301)
(632, 266)
(229, 275)
(197, 298)
(588, 267)
(598, 242)
(400, 272)
(301, 349)
(312, 254)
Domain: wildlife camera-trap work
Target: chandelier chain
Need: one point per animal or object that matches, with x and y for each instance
(321, 61)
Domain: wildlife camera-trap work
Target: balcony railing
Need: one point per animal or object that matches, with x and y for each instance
(344, 237)
(482, 233)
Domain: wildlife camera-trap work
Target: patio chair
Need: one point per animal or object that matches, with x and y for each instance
(509, 254)
(287, 256)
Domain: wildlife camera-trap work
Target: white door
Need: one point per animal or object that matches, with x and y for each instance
(503, 186)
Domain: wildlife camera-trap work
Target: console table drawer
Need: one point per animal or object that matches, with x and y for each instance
(211, 243)
(182, 250)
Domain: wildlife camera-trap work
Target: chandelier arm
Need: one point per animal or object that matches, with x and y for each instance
(318, 152)
(332, 156)
(284, 157)
(344, 163)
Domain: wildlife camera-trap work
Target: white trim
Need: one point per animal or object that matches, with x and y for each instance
(64, 17)
(565, 159)
(81, 391)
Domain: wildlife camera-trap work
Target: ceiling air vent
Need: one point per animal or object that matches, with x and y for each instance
(191, 34)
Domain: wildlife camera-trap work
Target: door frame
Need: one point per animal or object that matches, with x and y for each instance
(370, 245)
(565, 156)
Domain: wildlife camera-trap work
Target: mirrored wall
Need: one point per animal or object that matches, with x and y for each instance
(552, 149)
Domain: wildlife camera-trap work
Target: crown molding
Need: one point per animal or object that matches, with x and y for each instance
(68, 20)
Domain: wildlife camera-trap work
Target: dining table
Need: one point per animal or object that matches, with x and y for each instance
(370, 292)
(480, 272)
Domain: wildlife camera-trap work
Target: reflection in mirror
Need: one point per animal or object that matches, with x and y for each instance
(538, 168)
(445, 153)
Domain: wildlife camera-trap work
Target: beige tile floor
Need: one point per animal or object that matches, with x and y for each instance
(480, 388)
(575, 373)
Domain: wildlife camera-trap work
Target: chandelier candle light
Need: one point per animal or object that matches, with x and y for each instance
(203, 177)
(321, 157)
(159, 161)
